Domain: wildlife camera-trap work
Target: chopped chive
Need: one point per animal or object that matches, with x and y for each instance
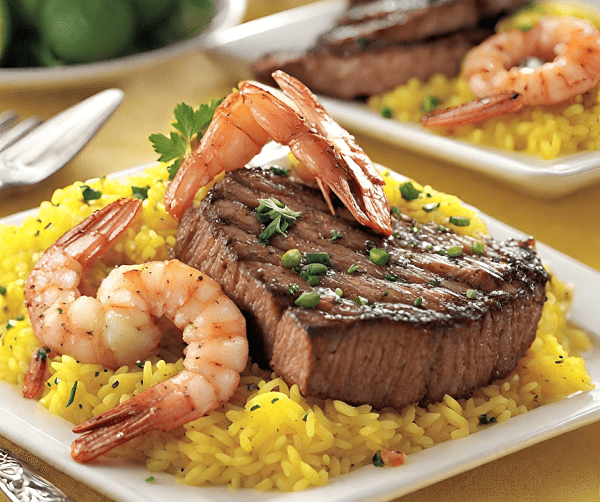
(395, 210)
(292, 288)
(274, 400)
(355, 268)
(478, 248)
(308, 299)
(454, 251)
(313, 280)
(430, 207)
(2, 290)
(322, 258)
(377, 460)
(391, 277)
(418, 301)
(139, 364)
(379, 256)
(291, 258)
(72, 395)
(305, 416)
(460, 221)
(255, 407)
(315, 269)
(471, 293)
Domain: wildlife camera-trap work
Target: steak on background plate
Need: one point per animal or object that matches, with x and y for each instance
(423, 325)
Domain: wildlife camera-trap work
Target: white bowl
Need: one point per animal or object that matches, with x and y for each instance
(228, 13)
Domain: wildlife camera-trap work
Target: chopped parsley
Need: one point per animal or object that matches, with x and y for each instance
(140, 192)
(2, 290)
(89, 193)
(276, 215)
(189, 124)
(335, 235)
(279, 171)
(408, 191)
(430, 103)
(387, 112)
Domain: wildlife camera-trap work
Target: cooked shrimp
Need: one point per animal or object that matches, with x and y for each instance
(571, 47)
(250, 118)
(118, 327)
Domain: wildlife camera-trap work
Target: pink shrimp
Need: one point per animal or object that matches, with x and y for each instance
(571, 47)
(119, 327)
(245, 121)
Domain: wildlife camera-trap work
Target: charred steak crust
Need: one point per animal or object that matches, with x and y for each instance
(385, 343)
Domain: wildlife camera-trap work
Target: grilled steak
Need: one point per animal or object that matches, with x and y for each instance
(364, 73)
(378, 45)
(423, 325)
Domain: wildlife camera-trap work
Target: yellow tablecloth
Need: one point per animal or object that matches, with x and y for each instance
(566, 468)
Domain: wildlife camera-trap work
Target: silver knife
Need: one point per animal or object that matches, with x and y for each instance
(52, 144)
(21, 482)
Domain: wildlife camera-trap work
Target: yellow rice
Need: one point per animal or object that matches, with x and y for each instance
(268, 437)
(544, 131)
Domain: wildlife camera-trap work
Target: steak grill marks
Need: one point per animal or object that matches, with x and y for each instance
(374, 345)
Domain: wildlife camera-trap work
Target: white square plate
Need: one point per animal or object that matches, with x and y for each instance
(298, 28)
(29, 424)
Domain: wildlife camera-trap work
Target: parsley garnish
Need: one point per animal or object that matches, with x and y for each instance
(276, 215)
(189, 123)
(89, 193)
(140, 192)
(430, 103)
(2, 290)
(279, 171)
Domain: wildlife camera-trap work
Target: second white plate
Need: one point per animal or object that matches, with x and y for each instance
(298, 28)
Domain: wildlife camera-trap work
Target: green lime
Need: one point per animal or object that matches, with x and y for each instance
(189, 18)
(151, 11)
(80, 31)
(27, 11)
(5, 28)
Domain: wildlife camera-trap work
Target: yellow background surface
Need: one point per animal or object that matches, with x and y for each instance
(563, 469)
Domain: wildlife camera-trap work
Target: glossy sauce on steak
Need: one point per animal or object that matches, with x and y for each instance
(421, 326)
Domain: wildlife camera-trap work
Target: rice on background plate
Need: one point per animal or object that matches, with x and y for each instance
(268, 436)
(549, 131)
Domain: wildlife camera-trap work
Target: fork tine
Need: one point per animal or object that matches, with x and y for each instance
(7, 118)
(17, 132)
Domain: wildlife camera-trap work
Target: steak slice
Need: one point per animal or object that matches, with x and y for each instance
(421, 326)
(368, 72)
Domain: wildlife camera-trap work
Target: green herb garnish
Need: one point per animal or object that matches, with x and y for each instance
(89, 193)
(308, 299)
(418, 301)
(377, 460)
(278, 217)
(140, 192)
(2, 290)
(150, 479)
(478, 247)
(72, 394)
(430, 103)
(454, 251)
(471, 293)
(291, 258)
(387, 112)
(279, 171)
(408, 191)
(430, 207)
(189, 124)
(318, 258)
(292, 288)
(460, 221)
(335, 235)
(379, 256)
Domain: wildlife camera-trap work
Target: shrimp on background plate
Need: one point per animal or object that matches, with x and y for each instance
(244, 122)
(571, 48)
(118, 327)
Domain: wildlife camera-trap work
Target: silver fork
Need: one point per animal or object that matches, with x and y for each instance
(32, 150)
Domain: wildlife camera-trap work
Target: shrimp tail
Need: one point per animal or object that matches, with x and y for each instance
(93, 236)
(109, 430)
(35, 376)
(475, 111)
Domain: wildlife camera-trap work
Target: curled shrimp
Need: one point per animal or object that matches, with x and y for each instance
(571, 47)
(245, 121)
(119, 327)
